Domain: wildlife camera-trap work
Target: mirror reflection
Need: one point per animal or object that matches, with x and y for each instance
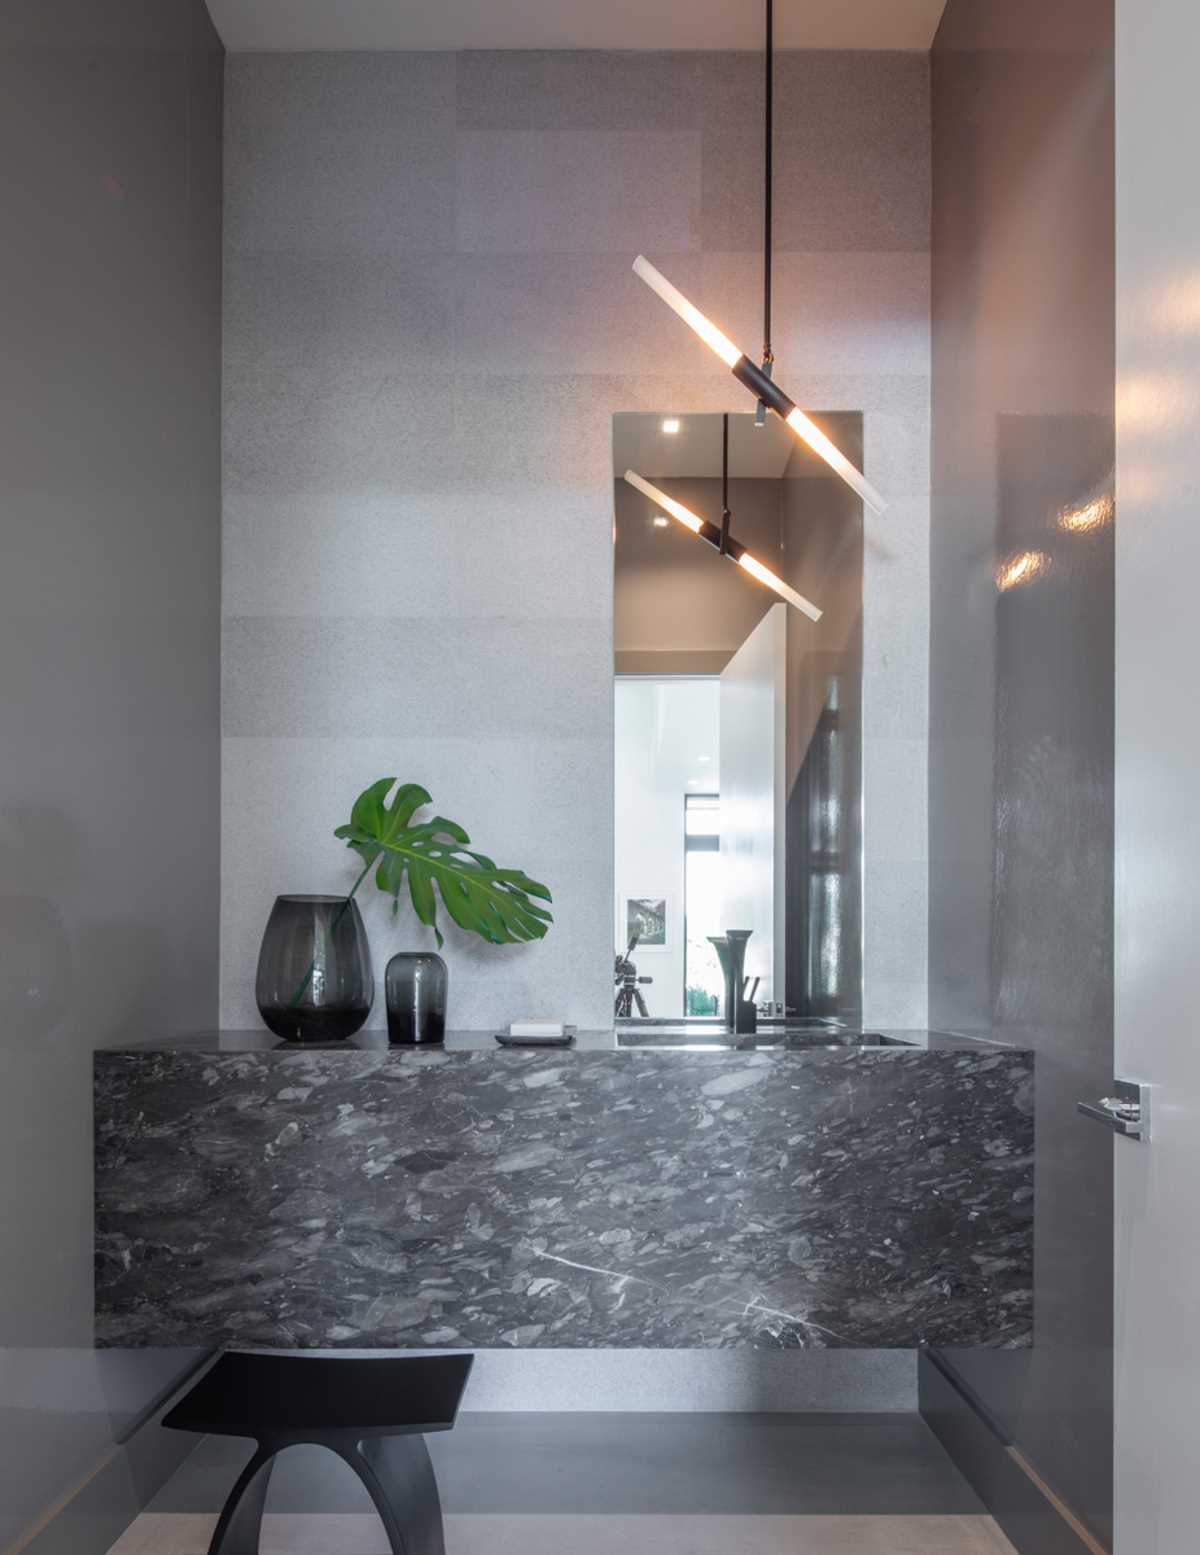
(738, 720)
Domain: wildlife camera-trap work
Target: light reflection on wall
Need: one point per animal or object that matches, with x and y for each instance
(1158, 404)
(1024, 567)
(1088, 516)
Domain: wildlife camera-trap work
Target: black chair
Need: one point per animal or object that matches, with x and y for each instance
(373, 1413)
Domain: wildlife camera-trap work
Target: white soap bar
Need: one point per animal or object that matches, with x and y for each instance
(538, 1028)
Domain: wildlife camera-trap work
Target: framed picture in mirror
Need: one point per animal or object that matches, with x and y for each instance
(647, 917)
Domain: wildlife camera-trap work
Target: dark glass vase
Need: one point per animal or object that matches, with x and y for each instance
(731, 953)
(416, 983)
(314, 969)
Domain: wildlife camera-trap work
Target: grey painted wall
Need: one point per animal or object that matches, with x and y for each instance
(429, 321)
(1021, 754)
(109, 669)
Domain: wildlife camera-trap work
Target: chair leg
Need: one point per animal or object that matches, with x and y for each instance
(399, 1476)
(240, 1522)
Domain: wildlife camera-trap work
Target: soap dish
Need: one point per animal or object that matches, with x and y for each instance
(506, 1039)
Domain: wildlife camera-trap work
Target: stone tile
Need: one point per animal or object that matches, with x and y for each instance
(898, 451)
(539, 313)
(856, 312)
(895, 933)
(897, 1006)
(541, 804)
(547, 554)
(586, 191)
(762, 1535)
(357, 316)
(834, 313)
(339, 153)
(852, 154)
(896, 799)
(324, 428)
(350, 1533)
(350, 404)
(289, 677)
(283, 1533)
(895, 653)
(579, 89)
(527, 432)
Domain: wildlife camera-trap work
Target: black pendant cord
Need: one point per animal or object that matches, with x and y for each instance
(768, 180)
(725, 514)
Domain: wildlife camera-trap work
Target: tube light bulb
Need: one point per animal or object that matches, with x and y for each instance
(809, 432)
(760, 385)
(756, 569)
(736, 551)
(705, 328)
(676, 509)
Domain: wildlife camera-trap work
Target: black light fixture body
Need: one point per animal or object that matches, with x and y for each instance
(760, 380)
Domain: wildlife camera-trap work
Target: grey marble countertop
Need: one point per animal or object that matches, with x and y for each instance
(821, 1196)
(792, 1037)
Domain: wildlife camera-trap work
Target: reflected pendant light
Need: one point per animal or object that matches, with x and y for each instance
(758, 379)
(720, 539)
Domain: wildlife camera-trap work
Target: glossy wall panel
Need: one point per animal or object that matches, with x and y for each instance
(1157, 1372)
(110, 116)
(1021, 689)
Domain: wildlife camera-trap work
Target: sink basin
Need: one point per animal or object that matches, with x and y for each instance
(799, 1034)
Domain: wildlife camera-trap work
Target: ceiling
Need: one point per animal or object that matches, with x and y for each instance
(572, 24)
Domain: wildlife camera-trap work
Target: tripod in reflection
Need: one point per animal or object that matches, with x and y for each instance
(627, 980)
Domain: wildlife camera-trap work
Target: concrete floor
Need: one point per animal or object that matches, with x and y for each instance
(609, 1484)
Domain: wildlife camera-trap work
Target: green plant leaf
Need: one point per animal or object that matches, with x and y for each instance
(481, 898)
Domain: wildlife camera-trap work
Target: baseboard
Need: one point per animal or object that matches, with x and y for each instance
(1034, 1519)
(92, 1514)
(699, 1381)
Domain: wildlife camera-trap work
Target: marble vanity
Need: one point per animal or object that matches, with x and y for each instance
(655, 1188)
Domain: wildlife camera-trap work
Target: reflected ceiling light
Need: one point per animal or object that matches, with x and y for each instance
(1090, 515)
(731, 548)
(758, 379)
(660, 522)
(670, 425)
(1022, 568)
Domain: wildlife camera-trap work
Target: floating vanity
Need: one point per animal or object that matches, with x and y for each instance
(649, 1188)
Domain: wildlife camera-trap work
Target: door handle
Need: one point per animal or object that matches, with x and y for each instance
(1126, 1112)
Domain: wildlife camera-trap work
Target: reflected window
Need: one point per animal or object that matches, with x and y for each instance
(703, 983)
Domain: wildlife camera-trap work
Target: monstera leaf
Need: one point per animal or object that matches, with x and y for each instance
(493, 903)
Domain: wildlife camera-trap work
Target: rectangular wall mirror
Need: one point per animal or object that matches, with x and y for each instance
(738, 770)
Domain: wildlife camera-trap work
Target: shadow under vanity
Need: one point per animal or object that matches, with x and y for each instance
(655, 1186)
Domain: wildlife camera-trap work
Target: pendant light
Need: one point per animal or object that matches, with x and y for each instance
(720, 539)
(758, 379)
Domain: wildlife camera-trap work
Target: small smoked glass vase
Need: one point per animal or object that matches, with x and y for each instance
(415, 985)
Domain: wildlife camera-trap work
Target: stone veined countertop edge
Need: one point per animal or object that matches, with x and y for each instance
(262, 1044)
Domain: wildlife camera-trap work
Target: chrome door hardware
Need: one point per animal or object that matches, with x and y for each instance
(1126, 1112)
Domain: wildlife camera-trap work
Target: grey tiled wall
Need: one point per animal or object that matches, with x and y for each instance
(430, 319)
